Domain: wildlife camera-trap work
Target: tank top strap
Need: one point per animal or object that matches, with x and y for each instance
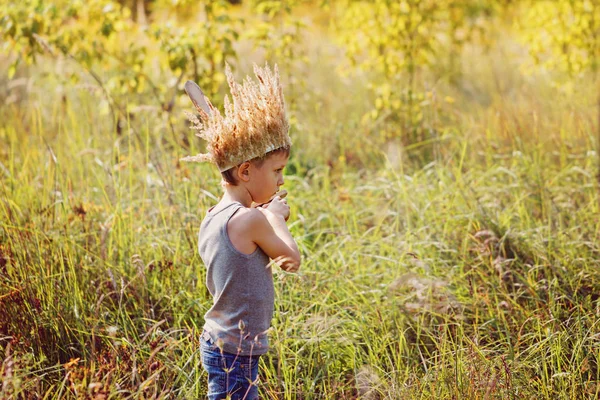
(224, 218)
(220, 208)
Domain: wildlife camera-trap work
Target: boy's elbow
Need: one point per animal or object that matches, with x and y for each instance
(291, 264)
(294, 266)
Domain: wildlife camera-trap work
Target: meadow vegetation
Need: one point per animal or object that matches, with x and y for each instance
(449, 232)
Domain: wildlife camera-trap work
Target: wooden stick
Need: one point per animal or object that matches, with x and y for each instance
(282, 193)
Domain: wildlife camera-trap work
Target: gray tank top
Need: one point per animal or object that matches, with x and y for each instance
(241, 286)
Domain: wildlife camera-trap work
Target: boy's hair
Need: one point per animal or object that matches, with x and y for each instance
(257, 161)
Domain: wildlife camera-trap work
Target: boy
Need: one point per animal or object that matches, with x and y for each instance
(250, 146)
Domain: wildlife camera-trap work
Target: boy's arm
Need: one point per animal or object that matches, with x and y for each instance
(271, 234)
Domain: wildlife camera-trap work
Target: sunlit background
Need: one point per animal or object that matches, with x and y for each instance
(443, 187)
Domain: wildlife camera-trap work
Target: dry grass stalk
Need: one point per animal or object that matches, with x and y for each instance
(253, 125)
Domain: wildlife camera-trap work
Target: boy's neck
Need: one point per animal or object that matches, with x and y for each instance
(237, 193)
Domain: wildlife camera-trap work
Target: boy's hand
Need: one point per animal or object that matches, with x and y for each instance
(277, 206)
(282, 193)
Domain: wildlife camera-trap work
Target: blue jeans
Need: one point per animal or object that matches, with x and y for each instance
(240, 382)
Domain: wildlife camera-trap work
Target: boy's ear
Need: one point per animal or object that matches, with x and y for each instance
(243, 171)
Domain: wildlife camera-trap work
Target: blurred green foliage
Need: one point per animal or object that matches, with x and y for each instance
(144, 59)
(395, 40)
(133, 63)
(563, 34)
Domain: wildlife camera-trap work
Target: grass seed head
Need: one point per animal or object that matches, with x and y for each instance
(254, 123)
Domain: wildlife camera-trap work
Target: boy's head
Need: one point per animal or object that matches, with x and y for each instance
(261, 176)
(253, 127)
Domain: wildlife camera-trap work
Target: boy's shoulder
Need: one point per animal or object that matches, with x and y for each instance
(247, 219)
(246, 228)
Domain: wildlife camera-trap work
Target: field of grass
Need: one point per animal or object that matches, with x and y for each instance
(466, 267)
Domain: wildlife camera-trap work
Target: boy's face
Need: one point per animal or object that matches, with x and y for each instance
(265, 180)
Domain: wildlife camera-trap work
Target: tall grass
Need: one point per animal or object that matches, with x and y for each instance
(473, 275)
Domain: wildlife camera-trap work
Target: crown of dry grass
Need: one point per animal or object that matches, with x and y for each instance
(252, 126)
